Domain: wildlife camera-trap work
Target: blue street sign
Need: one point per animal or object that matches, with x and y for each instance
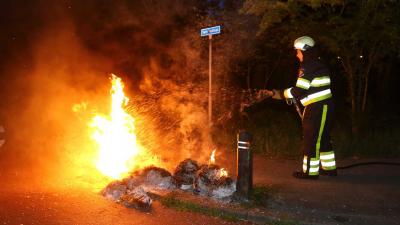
(210, 31)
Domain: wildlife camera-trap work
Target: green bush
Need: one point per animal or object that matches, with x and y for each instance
(276, 130)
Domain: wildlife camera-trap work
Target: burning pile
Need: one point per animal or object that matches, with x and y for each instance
(206, 180)
(214, 181)
(185, 174)
(120, 154)
(132, 190)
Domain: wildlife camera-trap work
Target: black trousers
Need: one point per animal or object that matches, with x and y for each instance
(317, 121)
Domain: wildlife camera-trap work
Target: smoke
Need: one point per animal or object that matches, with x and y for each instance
(153, 45)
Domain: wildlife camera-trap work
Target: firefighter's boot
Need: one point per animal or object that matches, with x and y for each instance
(331, 173)
(310, 169)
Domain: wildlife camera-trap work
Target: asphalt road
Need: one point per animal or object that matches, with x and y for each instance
(367, 195)
(364, 195)
(81, 206)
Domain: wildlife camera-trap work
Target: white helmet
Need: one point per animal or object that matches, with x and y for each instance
(303, 43)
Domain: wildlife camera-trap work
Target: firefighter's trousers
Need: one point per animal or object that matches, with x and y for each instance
(316, 144)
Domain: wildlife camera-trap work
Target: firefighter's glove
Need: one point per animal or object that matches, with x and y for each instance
(277, 94)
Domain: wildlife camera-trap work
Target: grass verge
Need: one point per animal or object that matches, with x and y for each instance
(171, 201)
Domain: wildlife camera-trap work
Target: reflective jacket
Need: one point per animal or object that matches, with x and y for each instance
(312, 85)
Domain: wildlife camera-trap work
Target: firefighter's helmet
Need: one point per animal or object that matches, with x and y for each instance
(303, 43)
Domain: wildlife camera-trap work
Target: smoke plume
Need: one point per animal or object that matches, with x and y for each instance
(153, 45)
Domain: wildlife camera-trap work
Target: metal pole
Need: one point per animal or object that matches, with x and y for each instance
(210, 81)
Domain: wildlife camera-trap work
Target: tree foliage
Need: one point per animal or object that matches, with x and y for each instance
(361, 34)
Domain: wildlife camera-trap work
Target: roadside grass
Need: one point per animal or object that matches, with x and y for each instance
(288, 222)
(258, 198)
(171, 201)
(260, 195)
(372, 142)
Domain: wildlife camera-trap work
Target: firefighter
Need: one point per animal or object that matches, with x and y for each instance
(313, 91)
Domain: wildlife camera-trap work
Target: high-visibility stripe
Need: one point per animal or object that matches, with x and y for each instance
(329, 167)
(303, 83)
(328, 164)
(326, 157)
(316, 97)
(304, 164)
(287, 93)
(327, 160)
(314, 163)
(314, 166)
(327, 153)
(244, 142)
(321, 81)
(321, 129)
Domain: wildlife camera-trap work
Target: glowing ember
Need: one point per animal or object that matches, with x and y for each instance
(222, 172)
(115, 136)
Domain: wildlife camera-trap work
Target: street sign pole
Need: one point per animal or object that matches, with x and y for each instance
(210, 31)
(210, 81)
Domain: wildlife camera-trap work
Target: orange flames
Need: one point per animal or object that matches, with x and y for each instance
(221, 172)
(212, 157)
(118, 150)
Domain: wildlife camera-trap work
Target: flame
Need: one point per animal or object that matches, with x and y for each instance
(79, 107)
(212, 157)
(118, 150)
(222, 172)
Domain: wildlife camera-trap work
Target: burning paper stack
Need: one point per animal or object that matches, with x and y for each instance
(185, 174)
(206, 180)
(133, 191)
(213, 181)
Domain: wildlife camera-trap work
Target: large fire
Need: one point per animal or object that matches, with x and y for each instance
(118, 150)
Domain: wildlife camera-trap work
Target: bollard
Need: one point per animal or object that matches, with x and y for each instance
(244, 182)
